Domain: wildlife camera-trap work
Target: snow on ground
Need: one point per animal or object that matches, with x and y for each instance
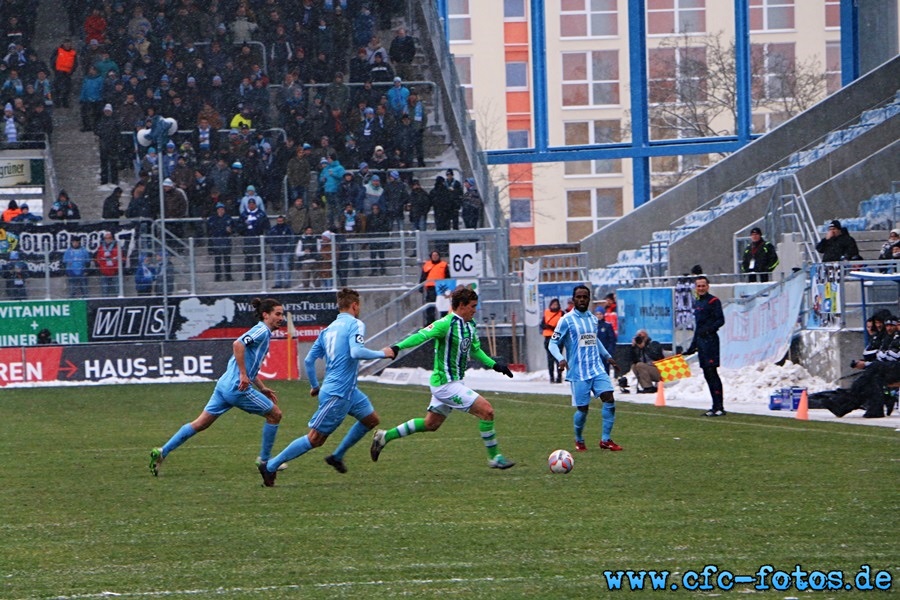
(746, 390)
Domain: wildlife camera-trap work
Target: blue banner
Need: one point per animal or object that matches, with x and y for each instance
(652, 309)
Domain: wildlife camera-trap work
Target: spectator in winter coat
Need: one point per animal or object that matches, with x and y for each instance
(837, 244)
(471, 204)
(219, 228)
(281, 242)
(25, 216)
(759, 257)
(254, 223)
(891, 248)
(64, 209)
(419, 206)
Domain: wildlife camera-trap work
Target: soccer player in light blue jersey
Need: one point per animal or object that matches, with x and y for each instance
(577, 332)
(234, 389)
(342, 345)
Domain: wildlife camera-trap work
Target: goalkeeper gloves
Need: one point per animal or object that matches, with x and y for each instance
(501, 368)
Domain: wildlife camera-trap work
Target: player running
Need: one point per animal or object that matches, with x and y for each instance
(454, 337)
(234, 389)
(341, 344)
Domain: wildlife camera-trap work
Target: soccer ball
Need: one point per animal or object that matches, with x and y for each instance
(560, 461)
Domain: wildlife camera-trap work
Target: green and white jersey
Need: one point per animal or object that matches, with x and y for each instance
(453, 339)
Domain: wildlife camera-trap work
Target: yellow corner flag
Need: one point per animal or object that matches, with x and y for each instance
(673, 368)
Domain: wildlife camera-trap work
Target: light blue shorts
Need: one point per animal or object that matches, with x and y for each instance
(582, 390)
(251, 401)
(333, 410)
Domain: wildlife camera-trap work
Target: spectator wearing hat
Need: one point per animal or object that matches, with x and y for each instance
(281, 242)
(238, 181)
(837, 244)
(12, 130)
(12, 211)
(352, 193)
(175, 205)
(250, 194)
(455, 190)
(380, 71)
(891, 248)
(219, 228)
(439, 197)
(169, 159)
(253, 224)
(419, 119)
(64, 209)
(25, 215)
(369, 132)
(397, 97)
(472, 204)
(107, 131)
(759, 258)
(379, 162)
(112, 207)
(359, 66)
(16, 272)
(150, 163)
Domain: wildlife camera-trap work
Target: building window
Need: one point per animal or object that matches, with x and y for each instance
(520, 212)
(772, 67)
(832, 67)
(590, 78)
(766, 122)
(588, 18)
(771, 15)
(517, 138)
(459, 21)
(668, 17)
(464, 71)
(677, 75)
(514, 10)
(583, 133)
(589, 210)
(517, 76)
(833, 14)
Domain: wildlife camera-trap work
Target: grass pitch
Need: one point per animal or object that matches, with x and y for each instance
(83, 518)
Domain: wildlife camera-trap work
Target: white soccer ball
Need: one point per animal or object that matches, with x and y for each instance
(560, 461)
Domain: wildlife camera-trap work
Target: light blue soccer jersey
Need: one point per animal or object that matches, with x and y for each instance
(256, 344)
(342, 345)
(577, 332)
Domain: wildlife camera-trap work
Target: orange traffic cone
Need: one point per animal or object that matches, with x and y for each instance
(660, 394)
(803, 408)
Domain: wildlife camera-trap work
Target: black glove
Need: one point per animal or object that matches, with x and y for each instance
(501, 368)
(396, 350)
(689, 351)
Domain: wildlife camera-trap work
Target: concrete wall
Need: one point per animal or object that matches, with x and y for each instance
(634, 229)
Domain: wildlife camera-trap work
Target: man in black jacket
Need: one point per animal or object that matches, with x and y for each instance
(837, 244)
(107, 132)
(708, 318)
(759, 257)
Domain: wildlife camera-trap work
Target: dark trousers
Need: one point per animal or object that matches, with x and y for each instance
(62, 81)
(109, 166)
(711, 374)
(552, 364)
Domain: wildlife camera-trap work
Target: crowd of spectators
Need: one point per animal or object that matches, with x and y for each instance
(268, 95)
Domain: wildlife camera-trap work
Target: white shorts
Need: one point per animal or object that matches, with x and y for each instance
(451, 395)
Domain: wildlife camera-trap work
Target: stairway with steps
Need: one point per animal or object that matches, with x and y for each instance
(652, 259)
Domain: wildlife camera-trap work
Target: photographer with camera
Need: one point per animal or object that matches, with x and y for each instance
(644, 351)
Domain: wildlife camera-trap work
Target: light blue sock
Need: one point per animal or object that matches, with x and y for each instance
(580, 419)
(180, 437)
(356, 433)
(268, 440)
(298, 447)
(609, 419)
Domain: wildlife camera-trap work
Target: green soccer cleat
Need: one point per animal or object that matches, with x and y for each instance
(378, 444)
(500, 462)
(156, 459)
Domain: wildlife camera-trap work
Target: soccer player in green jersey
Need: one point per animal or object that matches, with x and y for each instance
(454, 336)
